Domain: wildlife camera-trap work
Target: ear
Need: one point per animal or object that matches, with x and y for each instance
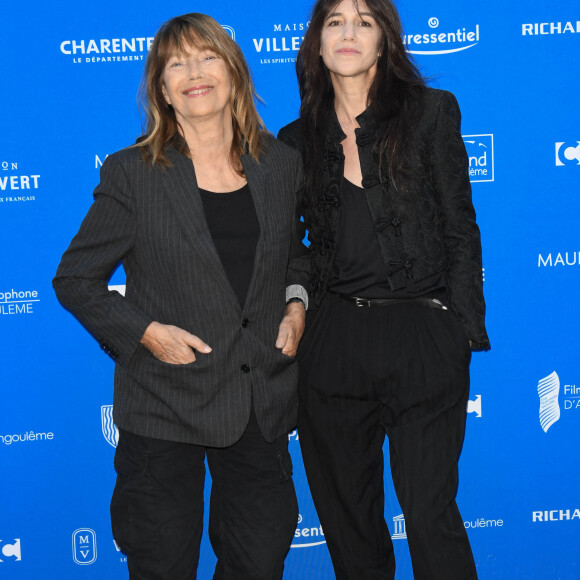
(165, 94)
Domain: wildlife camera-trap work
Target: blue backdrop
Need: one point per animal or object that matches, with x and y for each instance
(70, 73)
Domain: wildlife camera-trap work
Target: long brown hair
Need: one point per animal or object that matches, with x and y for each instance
(396, 93)
(204, 33)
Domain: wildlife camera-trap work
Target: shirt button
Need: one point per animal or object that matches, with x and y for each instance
(245, 323)
(245, 368)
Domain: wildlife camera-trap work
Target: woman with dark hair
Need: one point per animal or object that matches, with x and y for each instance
(202, 213)
(395, 290)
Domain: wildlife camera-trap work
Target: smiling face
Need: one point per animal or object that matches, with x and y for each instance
(350, 41)
(197, 85)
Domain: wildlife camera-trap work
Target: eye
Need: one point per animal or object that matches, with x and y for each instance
(175, 64)
(365, 24)
(333, 22)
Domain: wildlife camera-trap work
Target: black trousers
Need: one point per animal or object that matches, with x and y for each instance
(157, 506)
(402, 370)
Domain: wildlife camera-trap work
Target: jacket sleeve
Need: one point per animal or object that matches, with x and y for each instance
(299, 263)
(450, 173)
(106, 236)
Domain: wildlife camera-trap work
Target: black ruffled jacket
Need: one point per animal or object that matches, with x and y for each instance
(424, 228)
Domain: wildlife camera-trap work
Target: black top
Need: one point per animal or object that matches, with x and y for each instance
(425, 225)
(233, 224)
(359, 268)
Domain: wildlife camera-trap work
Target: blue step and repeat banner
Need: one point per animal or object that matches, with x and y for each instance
(70, 74)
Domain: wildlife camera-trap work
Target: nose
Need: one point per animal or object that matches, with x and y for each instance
(348, 32)
(194, 70)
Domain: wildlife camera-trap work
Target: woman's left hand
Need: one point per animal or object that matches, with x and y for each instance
(291, 329)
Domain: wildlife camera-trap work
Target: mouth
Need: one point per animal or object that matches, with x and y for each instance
(347, 51)
(198, 91)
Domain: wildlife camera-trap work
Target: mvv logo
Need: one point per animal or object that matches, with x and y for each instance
(84, 545)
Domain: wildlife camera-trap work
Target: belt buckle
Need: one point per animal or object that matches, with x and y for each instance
(362, 302)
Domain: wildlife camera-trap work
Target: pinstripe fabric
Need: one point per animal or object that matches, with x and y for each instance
(152, 220)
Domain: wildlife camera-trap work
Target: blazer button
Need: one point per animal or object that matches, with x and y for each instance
(245, 323)
(245, 368)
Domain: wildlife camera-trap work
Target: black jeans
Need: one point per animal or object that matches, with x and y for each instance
(157, 506)
(402, 370)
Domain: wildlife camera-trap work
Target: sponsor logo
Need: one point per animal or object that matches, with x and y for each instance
(400, 530)
(554, 397)
(483, 523)
(548, 391)
(26, 437)
(106, 50)
(14, 302)
(431, 42)
(122, 559)
(559, 259)
(481, 161)
(550, 28)
(475, 406)
(293, 435)
(567, 155)
(282, 46)
(571, 397)
(120, 288)
(16, 186)
(10, 550)
(99, 162)
(84, 546)
(110, 431)
(307, 537)
(564, 515)
(229, 30)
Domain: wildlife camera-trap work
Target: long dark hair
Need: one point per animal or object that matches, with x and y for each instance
(396, 94)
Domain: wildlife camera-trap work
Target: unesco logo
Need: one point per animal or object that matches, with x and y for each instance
(567, 155)
(84, 546)
(400, 530)
(439, 41)
(10, 551)
(481, 161)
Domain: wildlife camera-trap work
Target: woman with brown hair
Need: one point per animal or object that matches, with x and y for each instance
(202, 213)
(396, 293)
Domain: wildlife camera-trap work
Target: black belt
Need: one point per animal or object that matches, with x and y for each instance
(368, 302)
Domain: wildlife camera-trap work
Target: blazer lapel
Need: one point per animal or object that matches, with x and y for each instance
(183, 194)
(256, 177)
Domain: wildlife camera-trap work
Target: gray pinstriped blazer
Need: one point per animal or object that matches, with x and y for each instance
(152, 221)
